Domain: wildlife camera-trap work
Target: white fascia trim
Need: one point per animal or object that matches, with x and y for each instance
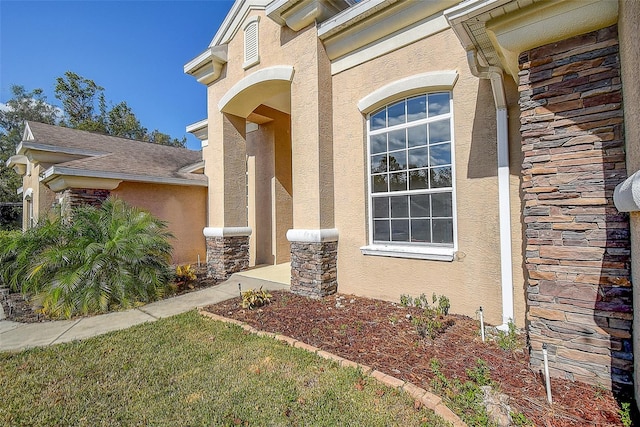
(19, 190)
(27, 135)
(351, 16)
(226, 231)
(235, 18)
(54, 171)
(197, 126)
(412, 252)
(24, 146)
(28, 194)
(439, 80)
(278, 72)
(626, 196)
(406, 36)
(192, 168)
(207, 67)
(312, 236)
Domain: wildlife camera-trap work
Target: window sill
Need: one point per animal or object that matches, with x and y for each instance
(428, 253)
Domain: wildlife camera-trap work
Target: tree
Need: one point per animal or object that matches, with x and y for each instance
(22, 106)
(78, 96)
(106, 258)
(158, 137)
(121, 121)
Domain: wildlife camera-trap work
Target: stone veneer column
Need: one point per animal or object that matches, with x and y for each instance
(227, 251)
(579, 295)
(74, 197)
(314, 255)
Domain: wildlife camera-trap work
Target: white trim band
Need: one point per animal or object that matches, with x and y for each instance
(313, 236)
(226, 231)
(433, 81)
(626, 196)
(413, 252)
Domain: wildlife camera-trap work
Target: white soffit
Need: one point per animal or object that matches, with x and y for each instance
(207, 67)
(439, 80)
(374, 28)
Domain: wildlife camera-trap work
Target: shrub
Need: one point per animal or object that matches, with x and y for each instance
(255, 298)
(100, 259)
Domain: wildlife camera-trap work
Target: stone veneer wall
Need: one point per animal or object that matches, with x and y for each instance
(314, 270)
(227, 255)
(579, 295)
(74, 197)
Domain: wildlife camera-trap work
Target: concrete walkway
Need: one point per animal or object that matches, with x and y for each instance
(18, 336)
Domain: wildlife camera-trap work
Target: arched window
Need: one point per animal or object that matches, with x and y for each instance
(411, 171)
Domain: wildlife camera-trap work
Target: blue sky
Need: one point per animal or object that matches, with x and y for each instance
(136, 50)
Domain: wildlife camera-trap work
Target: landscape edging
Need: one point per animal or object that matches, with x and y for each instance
(426, 398)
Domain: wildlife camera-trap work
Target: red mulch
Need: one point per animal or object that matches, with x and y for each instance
(378, 334)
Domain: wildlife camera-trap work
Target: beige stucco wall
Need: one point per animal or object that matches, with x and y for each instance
(182, 207)
(473, 279)
(628, 30)
(311, 136)
(42, 199)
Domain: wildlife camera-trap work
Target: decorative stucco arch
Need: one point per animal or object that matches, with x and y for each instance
(261, 87)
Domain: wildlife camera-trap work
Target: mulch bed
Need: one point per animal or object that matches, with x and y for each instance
(379, 334)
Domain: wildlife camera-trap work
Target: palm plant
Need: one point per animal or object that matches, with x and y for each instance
(111, 257)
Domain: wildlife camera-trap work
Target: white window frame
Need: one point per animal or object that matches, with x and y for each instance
(249, 26)
(385, 97)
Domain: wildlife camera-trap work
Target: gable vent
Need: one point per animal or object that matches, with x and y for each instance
(251, 56)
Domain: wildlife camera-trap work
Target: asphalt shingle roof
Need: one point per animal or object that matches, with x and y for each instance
(119, 155)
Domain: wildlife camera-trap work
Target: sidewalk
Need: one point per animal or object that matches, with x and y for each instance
(18, 336)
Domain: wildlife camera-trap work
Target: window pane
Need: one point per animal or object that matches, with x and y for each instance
(379, 183)
(420, 206)
(416, 108)
(441, 204)
(418, 179)
(439, 131)
(418, 158)
(379, 143)
(379, 163)
(398, 181)
(381, 207)
(397, 139)
(442, 231)
(417, 135)
(381, 230)
(396, 113)
(378, 120)
(441, 177)
(421, 230)
(438, 104)
(398, 161)
(400, 230)
(399, 207)
(440, 154)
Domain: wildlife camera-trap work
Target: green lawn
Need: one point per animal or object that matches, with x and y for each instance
(191, 371)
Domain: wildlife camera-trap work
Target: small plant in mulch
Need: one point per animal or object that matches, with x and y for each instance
(431, 322)
(185, 277)
(253, 298)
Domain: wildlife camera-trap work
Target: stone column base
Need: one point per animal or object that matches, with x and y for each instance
(314, 255)
(227, 251)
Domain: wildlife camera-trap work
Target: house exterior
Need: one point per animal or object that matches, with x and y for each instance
(66, 167)
(468, 149)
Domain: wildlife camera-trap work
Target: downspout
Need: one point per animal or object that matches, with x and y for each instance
(494, 74)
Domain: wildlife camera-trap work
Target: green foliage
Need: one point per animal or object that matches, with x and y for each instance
(24, 105)
(185, 273)
(508, 341)
(253, 298)
(187, 370)
(480, 373)
(100, 259)
(443, 303)
(520, 420)
(625, 414)
(406, 300)
(428, 325)
(463, 398)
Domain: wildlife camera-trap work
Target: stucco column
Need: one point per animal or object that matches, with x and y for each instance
(227, 234)
(313, 238)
